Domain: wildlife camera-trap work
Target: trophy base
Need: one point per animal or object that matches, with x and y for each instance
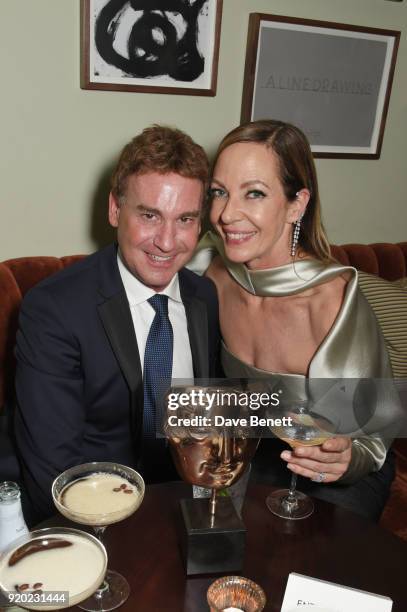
(212, 545)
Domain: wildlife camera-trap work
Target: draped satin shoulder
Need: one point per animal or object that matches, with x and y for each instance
(354, 348)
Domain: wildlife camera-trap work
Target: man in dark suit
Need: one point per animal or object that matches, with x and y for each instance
(90, 335)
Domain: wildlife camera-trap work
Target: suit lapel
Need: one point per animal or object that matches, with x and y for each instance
(117, 321)
(197, 321)
(118, 325)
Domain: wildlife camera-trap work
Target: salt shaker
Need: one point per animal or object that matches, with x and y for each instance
(12, 523)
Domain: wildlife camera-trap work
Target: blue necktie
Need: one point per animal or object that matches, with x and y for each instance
(157, 368)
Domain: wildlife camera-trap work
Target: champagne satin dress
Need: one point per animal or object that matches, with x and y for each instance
(354, 348)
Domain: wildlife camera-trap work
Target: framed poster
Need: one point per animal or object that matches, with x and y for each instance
(153, 46)
(331, 80)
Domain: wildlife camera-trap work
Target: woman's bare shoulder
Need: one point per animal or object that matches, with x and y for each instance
(331, 296)
(337, 285)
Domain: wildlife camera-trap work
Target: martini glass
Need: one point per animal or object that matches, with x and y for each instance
(100, 494)
(59, 560)
(300, 428)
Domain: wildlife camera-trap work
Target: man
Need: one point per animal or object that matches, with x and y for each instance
(95, 339)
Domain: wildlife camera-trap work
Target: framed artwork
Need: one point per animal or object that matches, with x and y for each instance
(331, 80)
(152, 46)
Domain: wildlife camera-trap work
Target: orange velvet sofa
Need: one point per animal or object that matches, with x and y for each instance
(17, 276)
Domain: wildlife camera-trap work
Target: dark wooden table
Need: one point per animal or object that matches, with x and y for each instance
(332, 544)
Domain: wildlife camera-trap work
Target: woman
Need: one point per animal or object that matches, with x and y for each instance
(286, 307)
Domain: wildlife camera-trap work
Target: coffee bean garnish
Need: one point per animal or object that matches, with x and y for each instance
(38, 591)
(124, 488)
(25, 586)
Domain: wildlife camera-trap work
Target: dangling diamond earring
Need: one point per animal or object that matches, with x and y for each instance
(296, 234)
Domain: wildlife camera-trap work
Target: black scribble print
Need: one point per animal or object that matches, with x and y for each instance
(153, 46)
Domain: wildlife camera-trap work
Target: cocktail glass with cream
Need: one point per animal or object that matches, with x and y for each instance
(100, 494)
(51, 569)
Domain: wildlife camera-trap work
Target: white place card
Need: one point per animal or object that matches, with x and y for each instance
(310, 594)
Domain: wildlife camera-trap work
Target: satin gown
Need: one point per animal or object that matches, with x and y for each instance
(353, 349)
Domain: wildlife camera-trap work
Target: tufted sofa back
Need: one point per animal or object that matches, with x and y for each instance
(17, 276)
(383, 259)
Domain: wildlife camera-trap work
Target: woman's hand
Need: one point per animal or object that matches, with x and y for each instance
(325, 463)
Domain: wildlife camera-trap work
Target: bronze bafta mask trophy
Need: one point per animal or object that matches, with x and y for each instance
(209, 453)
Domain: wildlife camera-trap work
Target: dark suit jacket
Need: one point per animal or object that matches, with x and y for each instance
(79, 384)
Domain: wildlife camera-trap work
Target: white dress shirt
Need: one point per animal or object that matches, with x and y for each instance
(143, 315)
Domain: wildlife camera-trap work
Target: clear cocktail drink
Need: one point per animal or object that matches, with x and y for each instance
(303, 428)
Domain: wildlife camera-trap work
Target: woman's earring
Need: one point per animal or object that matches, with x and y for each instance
(296, 234)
